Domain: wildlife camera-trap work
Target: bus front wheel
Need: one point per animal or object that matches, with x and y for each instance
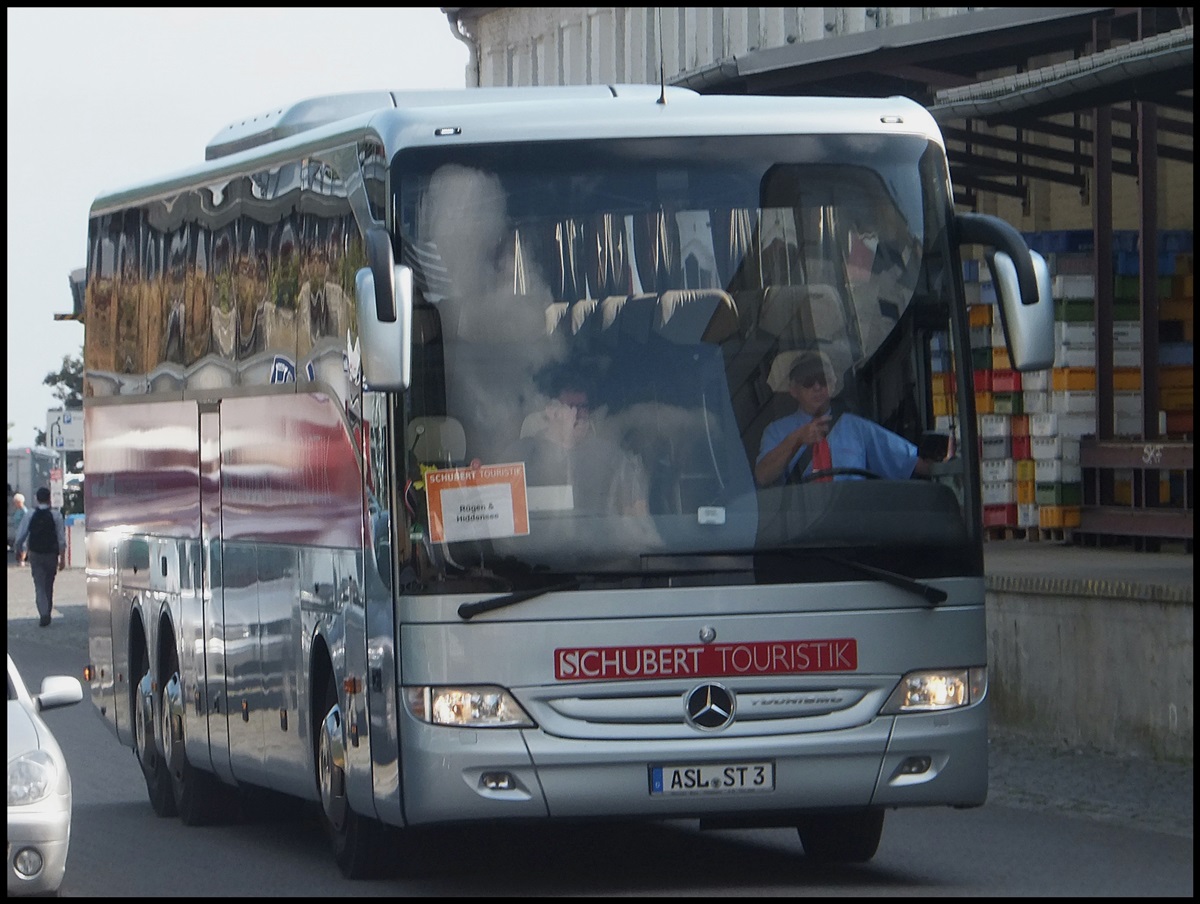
(358, 842)
(841, 837)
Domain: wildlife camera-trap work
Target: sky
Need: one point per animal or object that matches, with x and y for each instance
(100, 99)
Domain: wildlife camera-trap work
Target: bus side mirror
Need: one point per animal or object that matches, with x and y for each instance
(383, 298)
(1022, 281)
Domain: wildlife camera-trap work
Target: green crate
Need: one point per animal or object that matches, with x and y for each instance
(1075, 310)
(1058, 493)
(1127, 288)
(981, 358)
(1006, 402)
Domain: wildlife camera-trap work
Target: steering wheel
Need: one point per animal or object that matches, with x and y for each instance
(833, 472)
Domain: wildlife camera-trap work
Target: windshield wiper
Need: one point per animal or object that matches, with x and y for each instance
(467, 610)
(930, 594)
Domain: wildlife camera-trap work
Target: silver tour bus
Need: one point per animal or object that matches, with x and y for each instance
(449, 461)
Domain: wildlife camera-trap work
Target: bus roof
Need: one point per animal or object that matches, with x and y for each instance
(401, 119)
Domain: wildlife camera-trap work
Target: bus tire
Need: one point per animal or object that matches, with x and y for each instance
(147, 750)
(200, 797)
(358, 842)
(851, 837)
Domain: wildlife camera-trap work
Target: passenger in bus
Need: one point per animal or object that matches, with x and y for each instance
(566, 448)
(812, 440)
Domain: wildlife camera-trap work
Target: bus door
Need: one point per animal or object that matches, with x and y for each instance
(214, 698)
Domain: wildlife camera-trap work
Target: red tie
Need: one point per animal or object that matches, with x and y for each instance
(822, 460)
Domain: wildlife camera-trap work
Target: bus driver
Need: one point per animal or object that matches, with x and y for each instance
(850, 442)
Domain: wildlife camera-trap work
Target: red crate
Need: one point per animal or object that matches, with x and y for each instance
(1000, 515)
(982, 381)
(1179, 422)
(1022, 448)
(1006, 381)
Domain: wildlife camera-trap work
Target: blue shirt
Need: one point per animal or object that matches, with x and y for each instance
(854, 442)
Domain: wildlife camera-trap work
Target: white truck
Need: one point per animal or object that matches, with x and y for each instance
(28, 468)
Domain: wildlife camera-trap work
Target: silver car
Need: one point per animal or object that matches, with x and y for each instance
(39, 786)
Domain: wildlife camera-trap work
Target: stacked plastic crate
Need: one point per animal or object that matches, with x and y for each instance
(1176, 311)
(1030, 424)
(1003, 428)
(1071, 412)
(942, 367)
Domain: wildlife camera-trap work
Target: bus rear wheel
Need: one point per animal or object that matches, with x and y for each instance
(359, 842)
(200, 797)
(841, 837)
(146, 749)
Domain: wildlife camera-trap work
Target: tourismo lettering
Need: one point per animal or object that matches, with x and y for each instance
(785, 657)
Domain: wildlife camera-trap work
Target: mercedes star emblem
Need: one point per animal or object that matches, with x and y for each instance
(709, 707)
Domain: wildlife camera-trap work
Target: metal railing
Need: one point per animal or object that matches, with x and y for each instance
(1137, 489)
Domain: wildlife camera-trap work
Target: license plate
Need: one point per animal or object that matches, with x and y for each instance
(712, 778)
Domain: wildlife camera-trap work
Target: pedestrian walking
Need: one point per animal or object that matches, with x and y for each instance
(44, 534)
(19, 511)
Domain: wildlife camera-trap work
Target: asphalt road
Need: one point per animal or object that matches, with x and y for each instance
(1143, 793)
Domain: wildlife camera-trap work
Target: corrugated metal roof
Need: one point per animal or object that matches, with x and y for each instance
(1137, 59)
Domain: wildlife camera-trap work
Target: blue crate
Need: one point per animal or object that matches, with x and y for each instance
(1175, 241)
(970, 271)
(1175, 354)
(1125, 240)
(1126, 263)
(1061, 241)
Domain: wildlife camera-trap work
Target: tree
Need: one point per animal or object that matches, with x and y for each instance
(68, 382)
(68, 389)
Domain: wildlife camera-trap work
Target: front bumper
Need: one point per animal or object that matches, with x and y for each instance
(449, 774)
(49, 832)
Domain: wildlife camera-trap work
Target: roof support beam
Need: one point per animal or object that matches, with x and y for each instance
(996, 165)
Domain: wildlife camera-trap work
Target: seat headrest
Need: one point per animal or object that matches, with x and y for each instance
(689, 316)
(802, 313)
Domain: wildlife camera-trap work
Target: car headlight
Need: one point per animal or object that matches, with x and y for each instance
(31, 777)
(466, 707)
(934, 690)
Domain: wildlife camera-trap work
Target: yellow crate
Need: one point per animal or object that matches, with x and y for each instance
(942, 384)
(1123, 492)
(1126, 378)
(1026, 469)
(1181, 308)
(1065, 378)
(1175, 377)
(1058, 516)
(1176, 399)
(941, 405)
(985, 403)
(1026, 492)
(980, 314)
(1000, 359)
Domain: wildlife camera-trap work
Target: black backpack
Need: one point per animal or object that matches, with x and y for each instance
(43, 535)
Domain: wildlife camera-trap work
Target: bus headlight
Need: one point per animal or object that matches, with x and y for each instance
(466, 707)
(933, 690)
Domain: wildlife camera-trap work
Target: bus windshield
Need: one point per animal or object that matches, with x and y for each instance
(613, 338)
